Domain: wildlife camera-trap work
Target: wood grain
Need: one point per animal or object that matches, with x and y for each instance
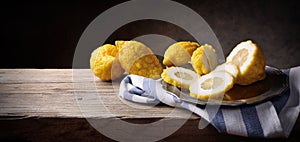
(58, 105)
(69, 93)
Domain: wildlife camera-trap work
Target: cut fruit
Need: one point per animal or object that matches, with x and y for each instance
(137, 58)
(212, 85)
(179, 53)
(250, 60)
(204, 59)
(229, 68)
(179, 77)
(104, 64)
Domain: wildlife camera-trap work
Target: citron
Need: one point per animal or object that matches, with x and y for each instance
(230, 68)
(104, 64)
(179, 53)
(250, 60)
(204, 59)
(179, 77)
(137, 58)
(212, 85)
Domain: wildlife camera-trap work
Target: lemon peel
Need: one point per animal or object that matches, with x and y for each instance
(179, 77)
(250, 60)
(137, 58)
(204, 59)
(104, 64)
(179, 53)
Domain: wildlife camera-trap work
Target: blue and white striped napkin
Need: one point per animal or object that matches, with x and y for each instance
(273, 118)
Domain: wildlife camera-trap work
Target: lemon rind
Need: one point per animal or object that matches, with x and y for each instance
(197, 92)
(169, 77)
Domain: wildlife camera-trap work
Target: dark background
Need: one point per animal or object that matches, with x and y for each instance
(44, 34)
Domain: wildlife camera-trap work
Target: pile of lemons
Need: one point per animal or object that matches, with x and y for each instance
(109, 62)
(207, 78)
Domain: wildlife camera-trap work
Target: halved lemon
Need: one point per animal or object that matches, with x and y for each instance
(179, 77)
(179, 53)
(204, 59)
(212, 85)
(250, 60)
(232, 69)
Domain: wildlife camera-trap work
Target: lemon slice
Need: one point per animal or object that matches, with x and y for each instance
(250, 60)
(232, 69)
(179, 53)
(179, 77)
(204, 59)
(137, 58)
(212, 85)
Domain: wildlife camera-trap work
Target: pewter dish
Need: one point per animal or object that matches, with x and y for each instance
(275, 83)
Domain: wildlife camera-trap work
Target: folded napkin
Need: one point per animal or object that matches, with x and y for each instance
(273, 118)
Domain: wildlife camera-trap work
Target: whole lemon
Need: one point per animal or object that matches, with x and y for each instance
(104, 64)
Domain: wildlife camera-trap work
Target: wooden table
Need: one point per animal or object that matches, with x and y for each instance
(58, 104)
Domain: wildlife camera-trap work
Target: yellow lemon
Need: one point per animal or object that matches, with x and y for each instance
(104, 64)
(179, 53)
(204, 59)
(250, 60)
(137, 58)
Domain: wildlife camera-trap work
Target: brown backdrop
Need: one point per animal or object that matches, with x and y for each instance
(44, 34)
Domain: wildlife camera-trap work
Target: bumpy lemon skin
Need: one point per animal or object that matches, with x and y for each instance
(104, 64)
(109, 50)
(179, 53)
(200, 61)
(136, 58)
(256, 70)
(196, 61)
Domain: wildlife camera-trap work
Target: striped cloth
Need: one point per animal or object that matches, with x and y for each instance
(273, 118)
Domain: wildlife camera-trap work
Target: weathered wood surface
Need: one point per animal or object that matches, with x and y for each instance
(54, 105)
(68, 93)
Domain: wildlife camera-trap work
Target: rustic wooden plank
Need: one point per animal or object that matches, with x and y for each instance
(43, 75)
(69, 93)
(55, 104)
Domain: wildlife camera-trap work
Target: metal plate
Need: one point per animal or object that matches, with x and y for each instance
(275, 83)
